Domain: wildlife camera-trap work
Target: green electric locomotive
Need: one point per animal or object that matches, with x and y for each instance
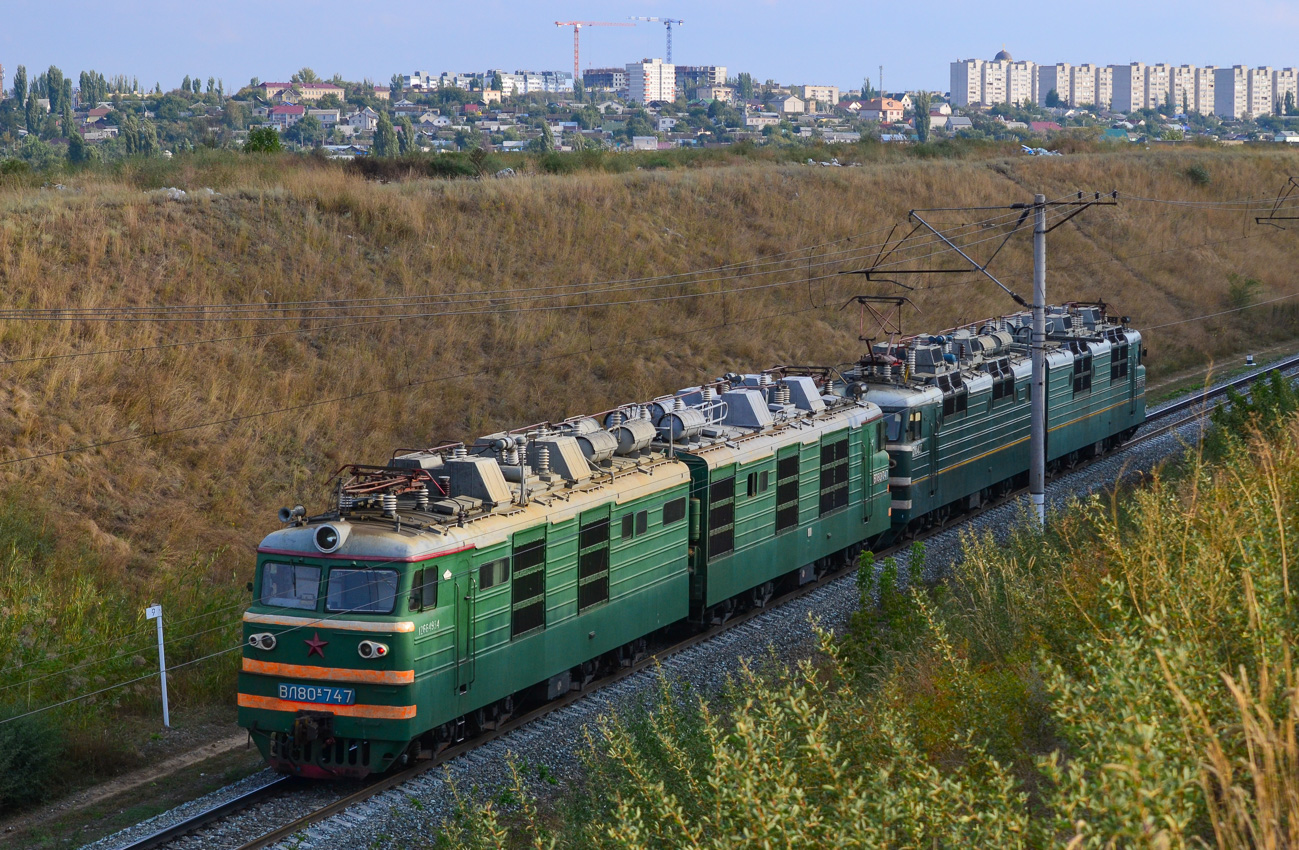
(956, 405)
(450, 584)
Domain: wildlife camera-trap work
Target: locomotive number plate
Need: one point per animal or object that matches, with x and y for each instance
(318, 693)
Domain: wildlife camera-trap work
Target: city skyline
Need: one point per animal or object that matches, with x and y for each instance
(817, 42)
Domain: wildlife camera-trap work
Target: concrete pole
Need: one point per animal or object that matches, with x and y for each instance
(1037, 404)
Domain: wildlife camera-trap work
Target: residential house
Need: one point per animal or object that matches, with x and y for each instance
(956, 123)
(723, 93)
(812, 95)
(758, 120)
(793, 105)
(382, 93)
(315, 91)
(286, 115)
(1045, 126)
(269, 91)
(608, 106)
(364, 120)
(885, 110)
(406, 107)
(943, 109)
(328, 118)
(666, 124)
(645, 143)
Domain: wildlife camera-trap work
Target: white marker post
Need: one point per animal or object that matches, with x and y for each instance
(154, 612)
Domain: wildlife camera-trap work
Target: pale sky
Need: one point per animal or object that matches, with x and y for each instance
(805, 42)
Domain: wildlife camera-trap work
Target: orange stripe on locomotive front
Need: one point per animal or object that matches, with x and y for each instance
(331, 674)
(373, 712)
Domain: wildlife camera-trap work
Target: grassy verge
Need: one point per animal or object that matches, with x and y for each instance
(1124, 680)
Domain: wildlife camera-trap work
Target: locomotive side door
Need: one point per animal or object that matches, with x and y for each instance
(466, 610)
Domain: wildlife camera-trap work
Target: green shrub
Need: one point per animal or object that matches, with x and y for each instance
(30, 751)
(1199, 175)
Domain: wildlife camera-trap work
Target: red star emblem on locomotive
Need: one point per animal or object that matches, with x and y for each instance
(316, 646)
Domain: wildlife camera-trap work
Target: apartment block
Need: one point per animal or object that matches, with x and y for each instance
(828, 95)
(1082, 85)
(1231, 91)
(967, 82)
(1104, 87)
(1259, 88)
(1021, 82)
(1129, 87)
(651, 80)
(1204, 77)
(1181, 82)
(693, 76)
(1055, 78)
(993, 83)
(1285, 89)
(605, 79)
(1159, 82)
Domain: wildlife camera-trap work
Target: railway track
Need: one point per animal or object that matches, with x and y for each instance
(1192, 408)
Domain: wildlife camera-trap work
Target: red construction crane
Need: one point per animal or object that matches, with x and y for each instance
(577, 29)
(668, 22)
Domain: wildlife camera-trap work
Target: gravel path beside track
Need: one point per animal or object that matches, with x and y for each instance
(408, 816)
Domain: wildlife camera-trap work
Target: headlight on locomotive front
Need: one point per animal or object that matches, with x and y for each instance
(262, 640)
(372, 649)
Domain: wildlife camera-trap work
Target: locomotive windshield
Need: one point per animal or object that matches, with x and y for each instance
(362, 591)
(893, 421)
(290, 586)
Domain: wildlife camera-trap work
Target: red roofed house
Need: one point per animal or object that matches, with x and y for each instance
(884, 110)
(1044, 126)
(286, 115)
(270, 90)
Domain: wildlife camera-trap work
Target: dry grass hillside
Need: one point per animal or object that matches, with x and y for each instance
(180, 499)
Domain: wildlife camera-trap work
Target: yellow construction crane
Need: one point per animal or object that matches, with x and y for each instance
(668, 22)
(577, 29)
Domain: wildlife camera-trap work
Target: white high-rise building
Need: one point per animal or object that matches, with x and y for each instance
(1159, 81)
(1129, 87)
(1285, 81)
(1021, 83)
(1204, 77)
(967, 82)
(1259, 87)
(651, 80)
(1055, 78)
(1082, 85)
(1230, 91)
(1104, 87)
(1181, 83)
(994, 81)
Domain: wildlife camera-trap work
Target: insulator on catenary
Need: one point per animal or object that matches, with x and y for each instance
(543, 460)
(460, 451)
(345, 502)
(421, 498)
(389, 504)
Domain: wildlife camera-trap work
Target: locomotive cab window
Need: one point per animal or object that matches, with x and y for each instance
(290, 585)
(362, 591)
(424, 590)
(892, 428)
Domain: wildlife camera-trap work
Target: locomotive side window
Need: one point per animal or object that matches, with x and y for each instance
(362, 591)
(290, 586)
(424, 590)
(1119, 362)
(627, 525)
(528, 601)
(1082, 373)
(674, 511)
(493, 573)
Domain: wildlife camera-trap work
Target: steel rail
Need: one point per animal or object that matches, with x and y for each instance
(1198, 403)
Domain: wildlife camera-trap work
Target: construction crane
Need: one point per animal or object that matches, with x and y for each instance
(577, 29)
(668, 22)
